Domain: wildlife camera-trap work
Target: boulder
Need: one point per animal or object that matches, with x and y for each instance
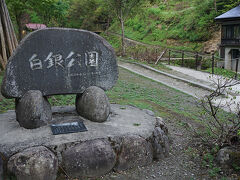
(93, 104)
(33, 110)
(229, 157)
(89, 159)
(135, 151)
(36, 163)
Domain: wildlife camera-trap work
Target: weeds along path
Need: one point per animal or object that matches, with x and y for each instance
(166, 80)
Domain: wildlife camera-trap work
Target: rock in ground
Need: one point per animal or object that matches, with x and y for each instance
(93, 104)
(36, 163)
(89, 159)
(135, 151)
(229, 156)
(160, 144)
(33, 110)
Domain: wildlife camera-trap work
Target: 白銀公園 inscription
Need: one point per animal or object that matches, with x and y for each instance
(60, 61)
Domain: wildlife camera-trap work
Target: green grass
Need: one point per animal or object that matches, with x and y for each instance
(132, 89)
(5, 104)
(223, 72)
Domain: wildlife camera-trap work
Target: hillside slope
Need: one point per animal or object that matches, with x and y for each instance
(180, 24)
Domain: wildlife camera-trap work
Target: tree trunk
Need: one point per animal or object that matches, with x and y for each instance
(20, 28)
(215, 5)
(123, 35)
(22, 19)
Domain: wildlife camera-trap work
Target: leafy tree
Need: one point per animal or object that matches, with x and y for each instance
(42, 11)
(122, 9)
(225, 5)
(88, 14)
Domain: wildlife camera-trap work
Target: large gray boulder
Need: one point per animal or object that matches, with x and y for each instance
(33, 110)
(36, 163)
(135, 151)
(89, 159)
(93, 104)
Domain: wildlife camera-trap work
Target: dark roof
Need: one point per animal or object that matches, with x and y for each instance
(232, 14)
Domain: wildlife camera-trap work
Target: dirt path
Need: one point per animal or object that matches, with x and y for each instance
(180, 165)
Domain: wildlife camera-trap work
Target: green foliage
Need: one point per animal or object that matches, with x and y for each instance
(88, 14)
(209, 161)
(42, 11)
(225, 5)
(183, 25)
(224, 72)
(49, 12)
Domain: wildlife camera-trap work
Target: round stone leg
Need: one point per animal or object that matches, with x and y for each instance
(93, 104)
(33, 110)
(36, 163)
(89, 159)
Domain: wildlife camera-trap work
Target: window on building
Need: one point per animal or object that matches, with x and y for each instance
(237, 32)
(231, 32)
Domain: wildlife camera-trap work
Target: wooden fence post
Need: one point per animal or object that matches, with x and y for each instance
(169, 58)
(182, 58)
(196, 60)
(212, 63)
(236, 75)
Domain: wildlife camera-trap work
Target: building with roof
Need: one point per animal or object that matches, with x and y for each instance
(33, 26)
(230, 37)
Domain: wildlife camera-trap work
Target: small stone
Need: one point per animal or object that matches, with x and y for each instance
(36, 163)
(93, 104)
(33, 110)
(89, 159)
(135, 151)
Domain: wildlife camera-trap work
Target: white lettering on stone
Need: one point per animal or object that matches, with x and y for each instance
(91, 58)
(71, 62)
(35, 63)
(56, 60)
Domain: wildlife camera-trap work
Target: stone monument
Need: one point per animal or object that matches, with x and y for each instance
(69, 61)
(60, 61)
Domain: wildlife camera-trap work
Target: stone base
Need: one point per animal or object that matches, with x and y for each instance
(129, 138)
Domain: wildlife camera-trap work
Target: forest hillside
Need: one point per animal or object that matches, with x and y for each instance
(182, 24)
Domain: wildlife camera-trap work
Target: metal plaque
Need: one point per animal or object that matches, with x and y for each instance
(66, 128)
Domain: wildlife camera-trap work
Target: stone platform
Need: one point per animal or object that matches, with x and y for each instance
(129, 138)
